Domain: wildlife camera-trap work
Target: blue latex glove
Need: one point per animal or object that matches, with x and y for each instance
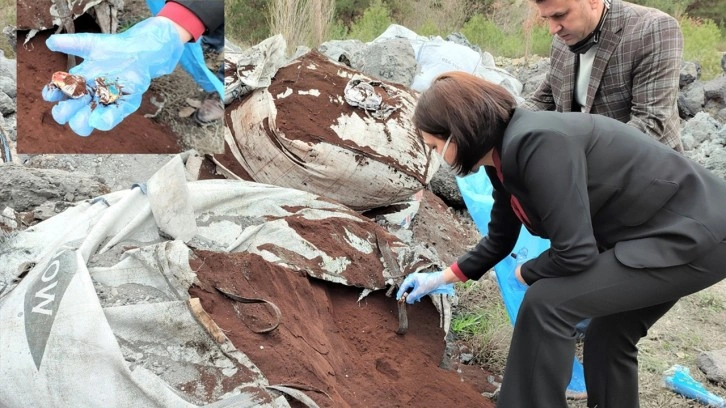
(422, 284)
(147, 50)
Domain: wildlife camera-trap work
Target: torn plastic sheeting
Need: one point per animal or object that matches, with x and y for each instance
(56, 332)
(252, 68)
(300, 133)
(436, 56)
(122, 304)
(230, 215)
(361, 93)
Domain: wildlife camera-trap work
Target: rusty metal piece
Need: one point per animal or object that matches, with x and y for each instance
(402, 316)
(72, 85)
(390, 262)
(242, 299)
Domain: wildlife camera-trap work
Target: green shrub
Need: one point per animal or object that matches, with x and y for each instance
(484, 33)
(372, 23)
(541, 41)
(676, 8)
(701, 40)
(347, 11)
(428, 28)
(714, 10)
(490, 37)
(338, 31)
(246, 21)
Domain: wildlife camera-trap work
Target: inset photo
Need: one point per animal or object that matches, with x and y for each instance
(127, 77)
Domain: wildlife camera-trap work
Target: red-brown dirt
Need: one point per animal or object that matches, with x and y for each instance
(331, 342)
(39, 133)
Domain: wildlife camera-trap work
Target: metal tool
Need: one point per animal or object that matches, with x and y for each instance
(390, 262)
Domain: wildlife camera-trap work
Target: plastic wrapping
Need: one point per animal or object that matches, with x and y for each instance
(678, 378)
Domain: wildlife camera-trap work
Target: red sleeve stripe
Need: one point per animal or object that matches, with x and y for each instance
(184, 17)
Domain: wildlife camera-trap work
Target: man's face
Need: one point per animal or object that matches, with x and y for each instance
(571, 20)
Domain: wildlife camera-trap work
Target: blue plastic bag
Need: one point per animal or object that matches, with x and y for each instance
(678, 379)
(476, 190)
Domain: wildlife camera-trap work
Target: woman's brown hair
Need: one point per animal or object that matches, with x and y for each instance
(472, 110)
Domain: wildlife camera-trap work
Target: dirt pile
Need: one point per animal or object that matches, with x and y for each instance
(330, 342)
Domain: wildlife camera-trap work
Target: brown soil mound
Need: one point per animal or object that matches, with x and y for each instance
(329, 341)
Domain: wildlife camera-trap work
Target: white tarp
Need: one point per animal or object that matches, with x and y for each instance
(436, 56)
(94, 303)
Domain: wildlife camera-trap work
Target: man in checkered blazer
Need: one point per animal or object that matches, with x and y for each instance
(616, 59)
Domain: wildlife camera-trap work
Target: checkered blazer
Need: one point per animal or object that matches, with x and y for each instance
(634, 76)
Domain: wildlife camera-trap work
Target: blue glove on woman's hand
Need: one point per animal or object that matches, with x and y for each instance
(129, 60)
(422, 284)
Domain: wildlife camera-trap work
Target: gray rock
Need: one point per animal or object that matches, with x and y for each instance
(721, 135)
(7, 67)
(691, 100)
(713, 364)
(12, 35)
(117, 171)
(723, 62)
(299, 52)
(721, 115)
(699, 129)
(341, 50)
(8, 87)
(7, 104)
(690, 71)
(716, 162)
(530, 73)
(391, 60)
(715, 93)
(443, 184)
(23, 188)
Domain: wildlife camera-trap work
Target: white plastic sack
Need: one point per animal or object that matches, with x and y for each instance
(353, 158)
(436, 56)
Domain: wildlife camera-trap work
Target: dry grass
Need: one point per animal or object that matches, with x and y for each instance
(489, 346)
(442, 15)
(696, 323)
(7, 18)
(304, 22)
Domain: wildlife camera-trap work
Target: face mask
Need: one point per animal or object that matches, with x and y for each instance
(593, 38)
(446, 146)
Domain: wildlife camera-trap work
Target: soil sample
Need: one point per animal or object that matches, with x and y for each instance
(38, 132)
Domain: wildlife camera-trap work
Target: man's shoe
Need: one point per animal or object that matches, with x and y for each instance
(212, 109)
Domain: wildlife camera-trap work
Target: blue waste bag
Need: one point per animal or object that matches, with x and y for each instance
(678, 378)
(476, 190)
(192, 60)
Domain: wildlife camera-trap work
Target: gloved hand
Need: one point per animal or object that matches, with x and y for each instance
(422, 284)
(130, 59)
